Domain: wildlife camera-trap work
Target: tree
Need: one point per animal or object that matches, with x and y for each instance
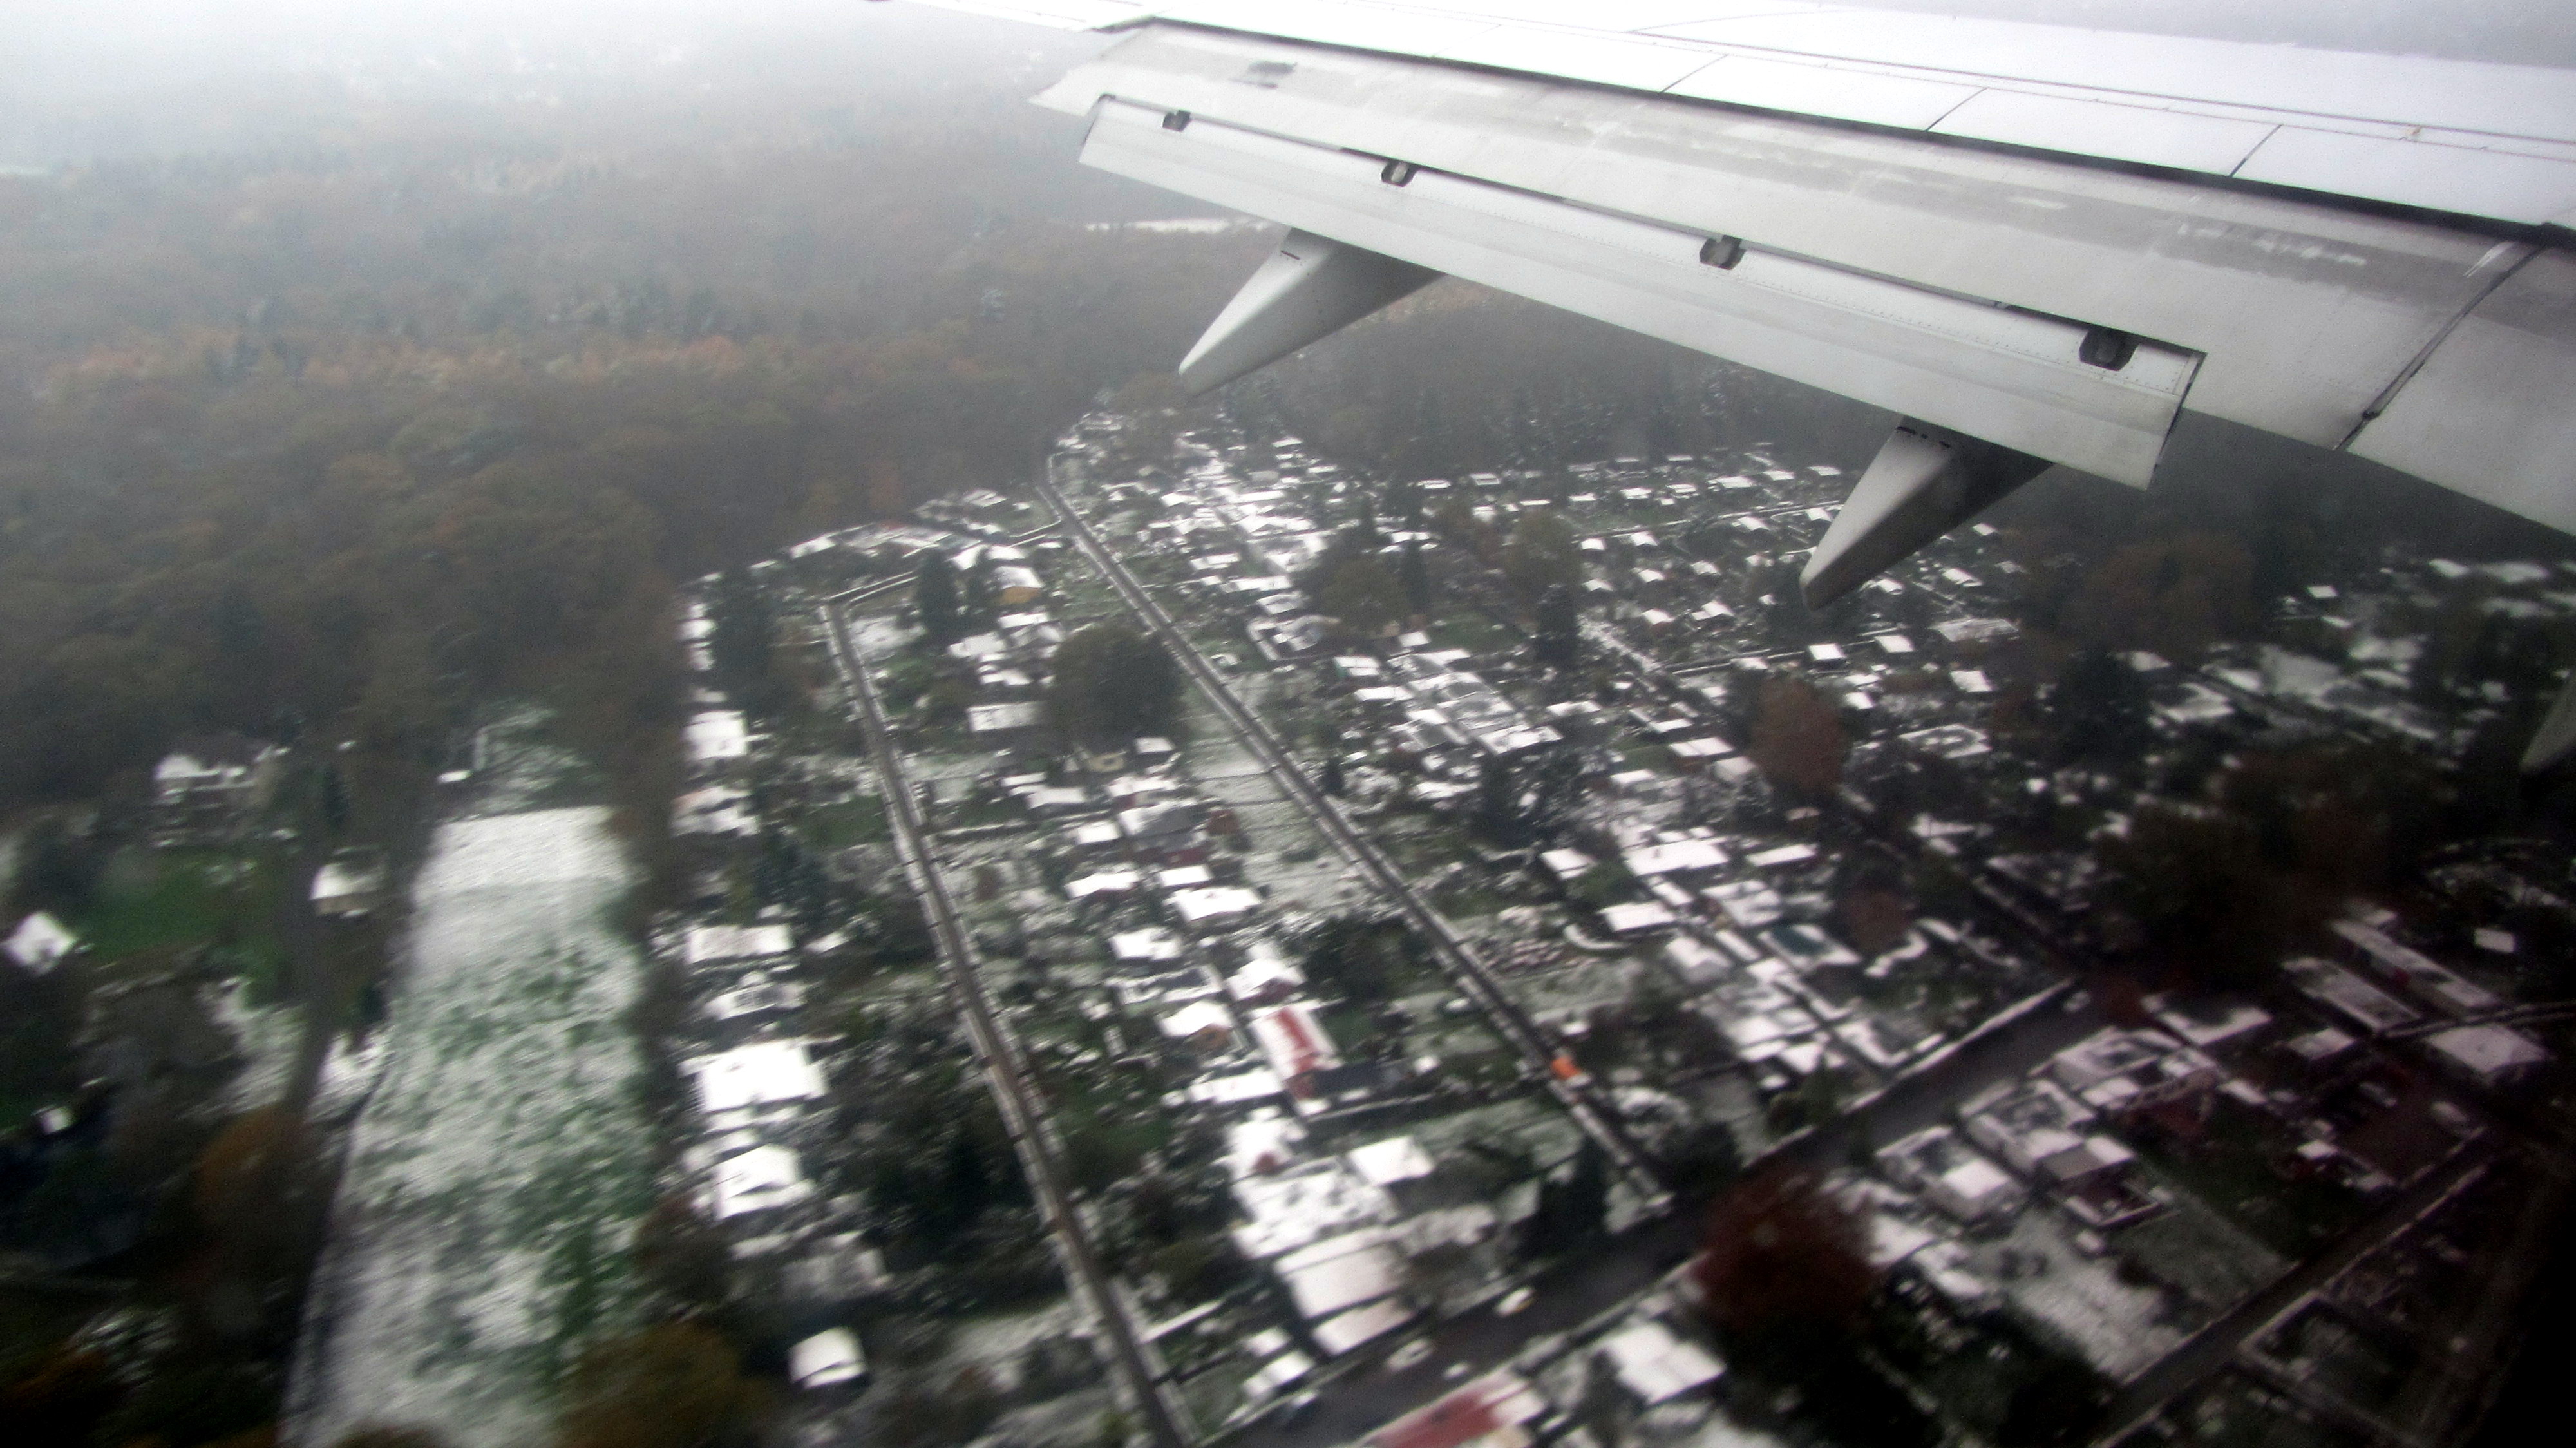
(1362, 596)
(1571, 1211)
(2099, 708)
(1413, 575)
(1542, 554)
(1498, 813)
(1355, 958)
(1782, 1263)
(1111, 682)
(741, 631)
(2194, 879)
(674, 1385)
(935, 602)
(1329, 778)
(1798, 739)
(1557, 640)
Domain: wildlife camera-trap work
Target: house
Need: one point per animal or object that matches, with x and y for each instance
(1954, 1177)
(1203, 1025)
(1384, 1163)
(2114, 1070)
(208, 782)
(1015, 585)
(350, 883)
(716, 737)
(990, 724)
(1643, 917)
(2040, 1132)
(1215, 906)
(761, 1179)
(2489, 1055)
(1656, 1364)
(709, 944)
(1296, 1045)
(765, 1073)
(827, 1359)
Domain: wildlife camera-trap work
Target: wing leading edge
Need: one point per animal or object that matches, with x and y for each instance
(2016, 305)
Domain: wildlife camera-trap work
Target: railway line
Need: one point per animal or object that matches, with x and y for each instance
(1458, 957)
(1165, 1422)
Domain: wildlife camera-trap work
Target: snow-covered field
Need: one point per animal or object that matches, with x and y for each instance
(497, 1171)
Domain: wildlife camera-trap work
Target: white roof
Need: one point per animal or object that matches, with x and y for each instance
(1264, 966)
(1635, 917)
(758, 1179)
(1197, 1018)
(1341, 1332)
(2490, 1053)
(1151, 943)
(1002, 718)
(1396, 1159)
(1103, 882)
(1215, 902)
(1292, 1209)
(1264, 1143)
(755, 1075)
(1257, 1084)
(828, 1357)
(717, 734)
(1656, 1365)
(707, 943)
(1340, 1272)
(39, 941)
(1680, 855)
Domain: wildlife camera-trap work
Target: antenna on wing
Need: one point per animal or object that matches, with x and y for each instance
(1309, 289)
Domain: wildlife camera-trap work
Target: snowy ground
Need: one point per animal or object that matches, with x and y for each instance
(496, 1173)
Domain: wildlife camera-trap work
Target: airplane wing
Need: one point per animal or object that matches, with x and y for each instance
(2035, 244)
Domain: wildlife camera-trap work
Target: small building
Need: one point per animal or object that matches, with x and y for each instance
(350, 884)
(765, 1073)
(39, 944)
(716, 737)
(1643, 917)
(1385, 1163)
(761, 1179)
(208, 784)
(989, 724)
(827, 1359)
(2490, 1055)
(712, 944)
(1656, 1364)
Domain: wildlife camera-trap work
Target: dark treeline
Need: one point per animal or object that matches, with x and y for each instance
(415, 395)
(346, 434)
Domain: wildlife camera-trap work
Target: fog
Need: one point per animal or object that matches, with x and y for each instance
(142, 76)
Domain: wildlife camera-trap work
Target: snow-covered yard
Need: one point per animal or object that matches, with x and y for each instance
(495, 1175)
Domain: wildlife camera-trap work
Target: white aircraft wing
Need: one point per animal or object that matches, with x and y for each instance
(2035, 244)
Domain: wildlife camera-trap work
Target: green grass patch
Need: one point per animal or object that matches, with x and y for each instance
(154, 900)
(860, 821)
(1474, 632)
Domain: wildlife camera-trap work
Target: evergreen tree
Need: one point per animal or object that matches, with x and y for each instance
(1557, 640)
(1329, 778)
(934, 600)
(1413, 575)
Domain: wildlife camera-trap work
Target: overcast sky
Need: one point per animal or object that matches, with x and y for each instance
(92, 56)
